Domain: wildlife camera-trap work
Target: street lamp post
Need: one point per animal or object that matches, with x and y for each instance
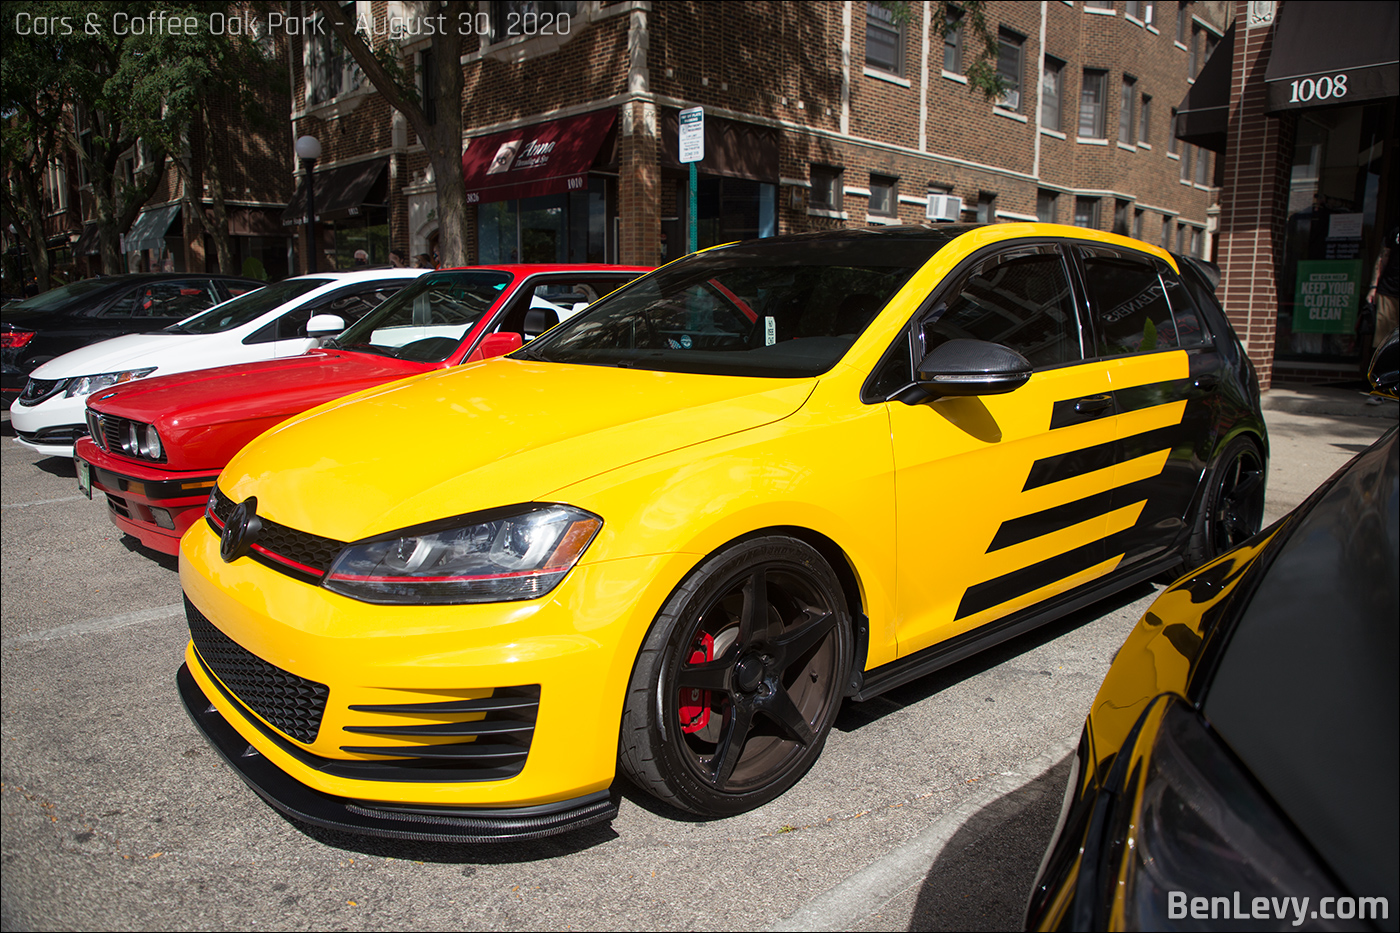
(309, 150)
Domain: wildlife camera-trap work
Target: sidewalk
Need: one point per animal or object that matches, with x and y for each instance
(1333, 401)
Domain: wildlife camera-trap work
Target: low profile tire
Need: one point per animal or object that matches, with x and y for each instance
(739, 679)
(1233, 508)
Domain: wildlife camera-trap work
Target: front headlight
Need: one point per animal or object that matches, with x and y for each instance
(519, 552)
(86, 385)
(1193, 833)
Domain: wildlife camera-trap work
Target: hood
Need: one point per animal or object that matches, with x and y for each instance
(488, 434)
(125, 352)
(205, 416)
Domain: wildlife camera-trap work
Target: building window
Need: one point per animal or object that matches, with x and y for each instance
(1173, 144)
(1091, 100)
(884, 196)
(1010, 60)
(1120, 217)
(1086, 213)
(1050, 94)
(1137, 224)
(1182, 17)
(1047, 206)
(1166, 238)
(1098, 4)
(1125, 110)
(1193, 58)
(1144, 119)
(1186, 151)
(1140, 10)
(330, 69)
(1202, 166)
(513, 18)
(826, 188)
(56, 180)
(986, 207)
(1181, 238)
(884, 39)
(952, 43)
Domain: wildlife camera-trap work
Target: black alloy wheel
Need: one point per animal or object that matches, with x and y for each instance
(739, 679)
(1234, 503)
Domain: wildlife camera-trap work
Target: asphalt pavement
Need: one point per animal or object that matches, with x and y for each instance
(929, 809)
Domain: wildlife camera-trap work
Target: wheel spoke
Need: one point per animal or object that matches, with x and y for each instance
(737, 722)
(809, 633)
(780, 708)
(707, 675)
(753, 619)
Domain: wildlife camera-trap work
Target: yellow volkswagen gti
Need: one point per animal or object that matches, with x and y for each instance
(669, 537)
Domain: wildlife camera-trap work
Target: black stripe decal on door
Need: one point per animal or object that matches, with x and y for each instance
(1100, 456)
(1047, 521)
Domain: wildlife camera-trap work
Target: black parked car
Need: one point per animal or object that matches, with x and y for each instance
(40, 328)
(1239, 766)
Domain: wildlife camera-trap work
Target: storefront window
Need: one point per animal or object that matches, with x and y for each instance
(1332, 236)
(553, 228)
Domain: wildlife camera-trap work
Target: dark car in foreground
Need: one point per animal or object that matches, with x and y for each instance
(1239, 766)
(48, 325)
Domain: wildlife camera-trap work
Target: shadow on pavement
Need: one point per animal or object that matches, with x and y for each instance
(984, 875)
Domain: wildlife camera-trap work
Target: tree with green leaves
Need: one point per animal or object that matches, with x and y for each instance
(33, 105)
(440, 130)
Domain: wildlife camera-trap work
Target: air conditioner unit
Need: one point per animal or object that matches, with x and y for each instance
(943, 207)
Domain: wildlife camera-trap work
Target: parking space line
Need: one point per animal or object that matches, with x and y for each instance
(97, 626)
(868, 890)
(25, 505)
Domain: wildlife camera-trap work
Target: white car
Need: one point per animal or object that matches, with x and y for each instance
(271, 322)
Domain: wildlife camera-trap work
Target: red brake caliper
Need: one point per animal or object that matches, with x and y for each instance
(695, 703)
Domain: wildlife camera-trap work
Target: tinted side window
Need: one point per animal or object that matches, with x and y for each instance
(350, 305)
(1020, 300)
(1191, 327)
(1129, 304)
(172, 299)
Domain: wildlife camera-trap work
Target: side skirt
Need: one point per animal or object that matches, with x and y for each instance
(870, 684)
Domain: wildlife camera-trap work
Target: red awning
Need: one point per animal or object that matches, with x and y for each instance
(546, 158)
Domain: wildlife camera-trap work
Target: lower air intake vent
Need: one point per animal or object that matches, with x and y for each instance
(290, 703)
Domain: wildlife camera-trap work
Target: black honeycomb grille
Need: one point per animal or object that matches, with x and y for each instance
(290, 703)
(309, 550)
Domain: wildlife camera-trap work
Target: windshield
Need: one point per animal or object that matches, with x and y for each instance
(427, 320)
(58, 297)
(246, 307)
(786, 309)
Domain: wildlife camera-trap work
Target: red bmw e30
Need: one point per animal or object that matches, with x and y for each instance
(155, 447)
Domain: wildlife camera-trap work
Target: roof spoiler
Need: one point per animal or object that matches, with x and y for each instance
(1207, 269)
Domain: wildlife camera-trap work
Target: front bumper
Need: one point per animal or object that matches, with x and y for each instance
(425, 824)
(380, 734)
(51, 425)
(151, 504)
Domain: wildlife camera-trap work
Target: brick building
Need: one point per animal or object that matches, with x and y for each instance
(248, 161)
(817, 115)
(1300, 101)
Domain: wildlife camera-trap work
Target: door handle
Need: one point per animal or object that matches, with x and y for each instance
(1206, 381)
(1093, 404)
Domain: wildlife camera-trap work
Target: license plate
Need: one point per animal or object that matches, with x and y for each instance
(84, 476)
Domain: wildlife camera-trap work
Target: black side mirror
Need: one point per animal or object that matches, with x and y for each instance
(971, 367)
(1385, 367)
